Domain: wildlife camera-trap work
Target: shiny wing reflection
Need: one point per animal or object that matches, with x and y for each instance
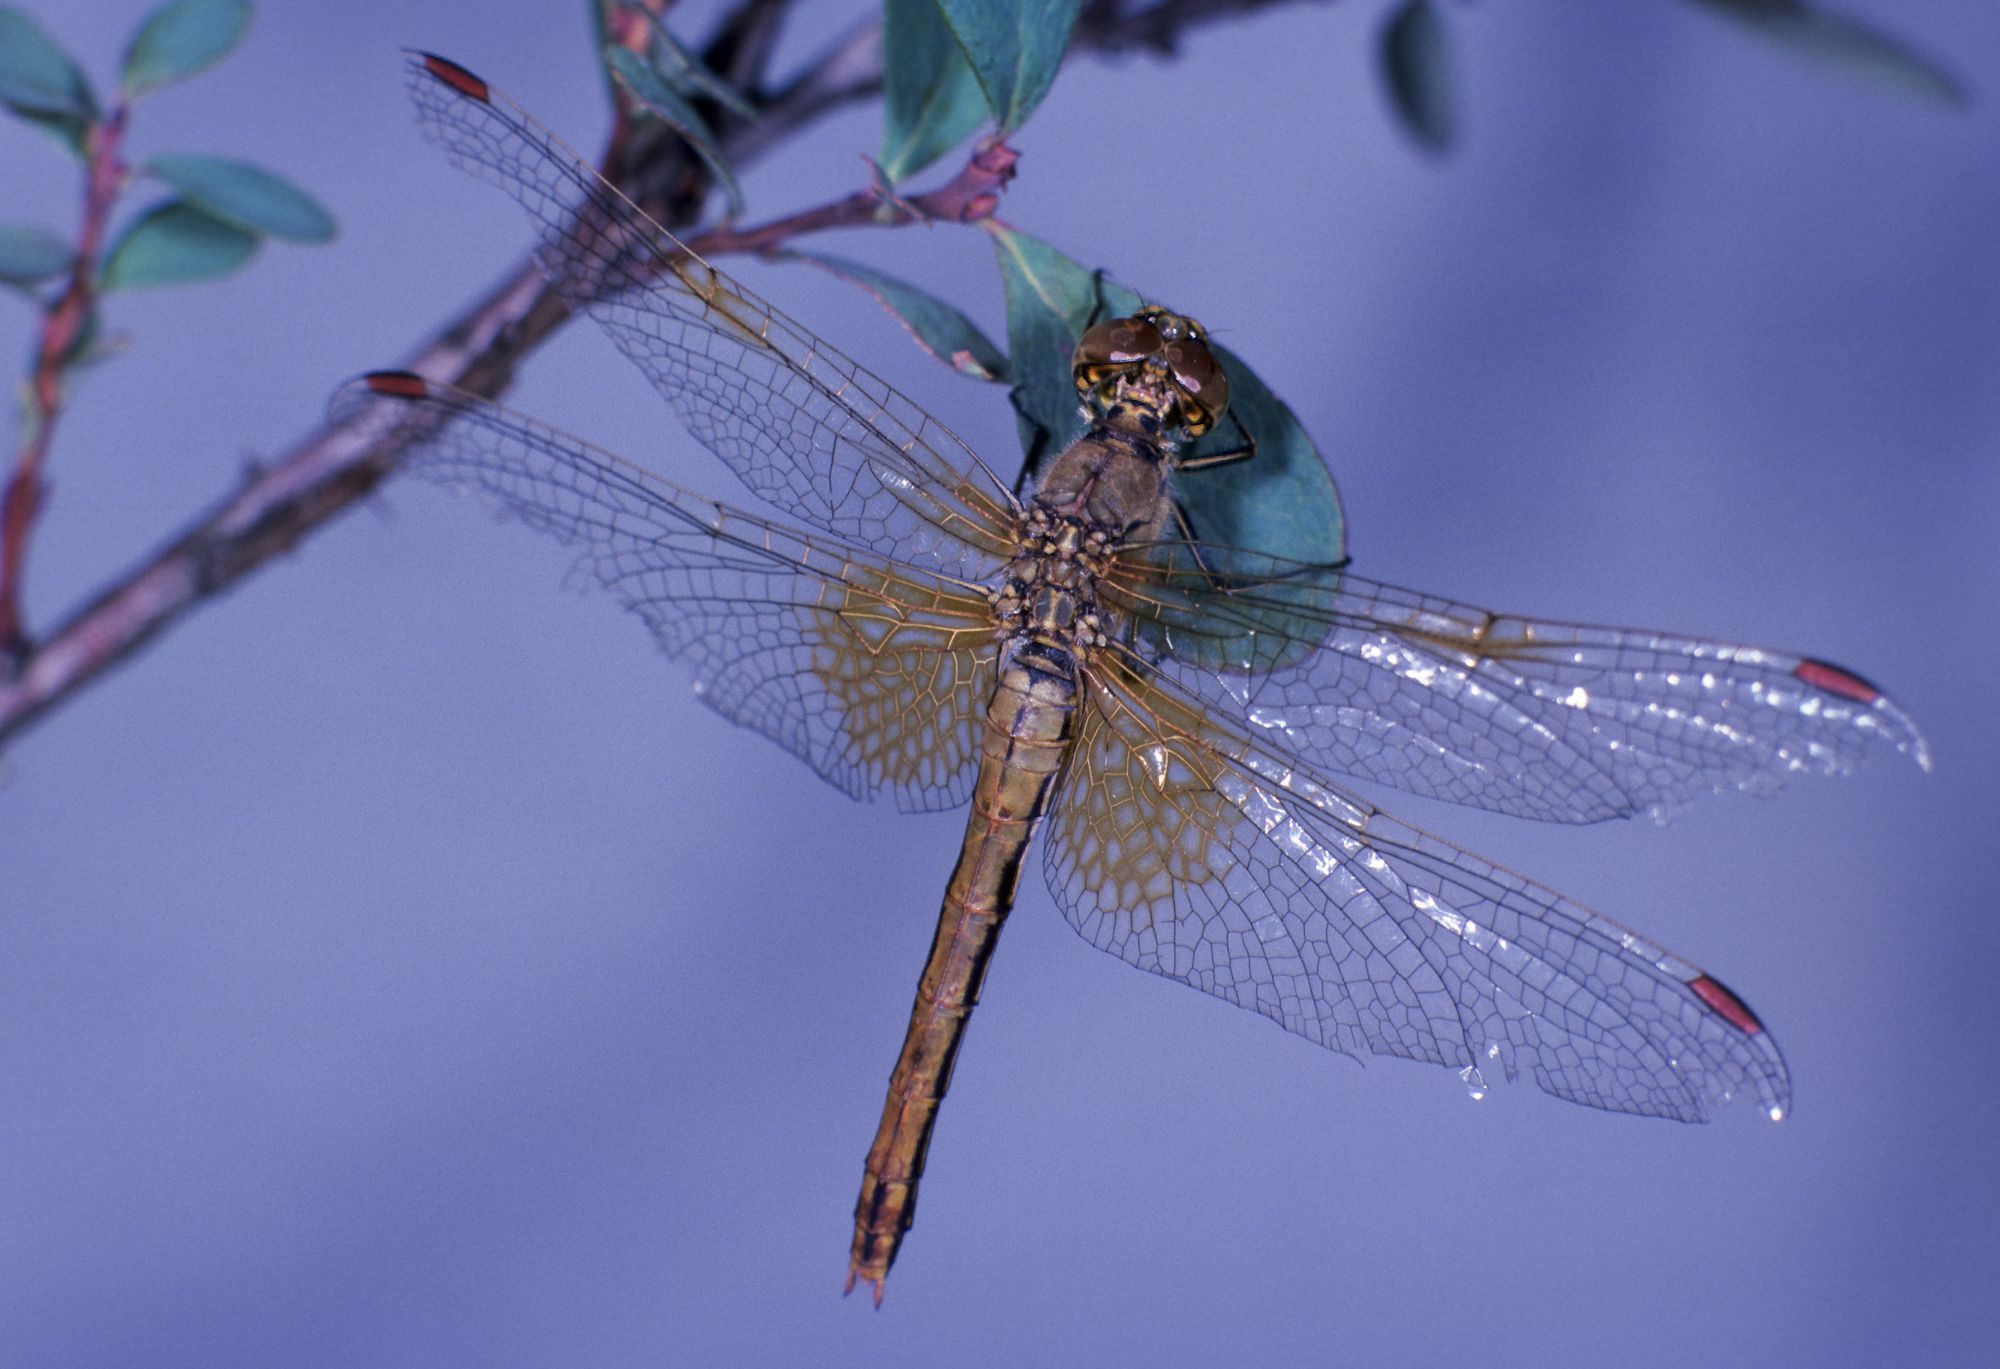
(1558, 722)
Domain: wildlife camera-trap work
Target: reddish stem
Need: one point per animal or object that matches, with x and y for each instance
(62, 325)
(971, 195)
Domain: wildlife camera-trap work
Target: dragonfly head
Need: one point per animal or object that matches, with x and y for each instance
(1152, 374)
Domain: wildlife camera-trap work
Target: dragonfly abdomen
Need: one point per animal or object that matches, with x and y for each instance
(1030, 724)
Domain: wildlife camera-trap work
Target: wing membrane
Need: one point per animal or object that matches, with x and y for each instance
(1539, 719)
(873, 672)
(803, 426)
(1188, 850)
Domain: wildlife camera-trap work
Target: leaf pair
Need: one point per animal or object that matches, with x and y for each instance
(222, 210)
(177, 40)
(948, 64)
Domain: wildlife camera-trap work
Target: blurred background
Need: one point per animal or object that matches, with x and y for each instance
(402, 968)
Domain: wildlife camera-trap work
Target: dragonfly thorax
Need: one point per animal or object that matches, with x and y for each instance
(1150, 374)
(1111, 480)
(1049, 594)
(1066, 538)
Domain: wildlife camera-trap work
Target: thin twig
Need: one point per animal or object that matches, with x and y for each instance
(970, 196)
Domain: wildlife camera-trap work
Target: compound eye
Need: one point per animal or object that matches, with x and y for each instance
(1197, 372)
(1117, 342)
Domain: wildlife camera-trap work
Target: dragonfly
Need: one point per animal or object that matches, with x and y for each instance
(1176, 725)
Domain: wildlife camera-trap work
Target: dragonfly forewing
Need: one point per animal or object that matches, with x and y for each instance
(873, 672)
(1559, 722)
(804, 427)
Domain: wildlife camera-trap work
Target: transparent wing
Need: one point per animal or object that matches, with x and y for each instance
(1547, 720)
(873, 672)
(1188, 850)
(803, 426)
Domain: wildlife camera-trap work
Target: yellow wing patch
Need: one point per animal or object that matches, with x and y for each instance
(910, 666)
(1142, 812)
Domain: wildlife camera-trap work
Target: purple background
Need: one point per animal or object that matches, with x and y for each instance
(401, 968)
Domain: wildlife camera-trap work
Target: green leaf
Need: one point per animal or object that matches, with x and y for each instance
(931, 99)
(28, 255)
(1014, 49)
(1836, 41)
(670, 59)
(181, 38)
(36, 76)
(69, 130)
(1050, 301)
(602, 41)
(686, 72)
(1416, 62)
(1281, 501)
(245, 195)
(672, 109)
(939, 328)
(177, 243)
